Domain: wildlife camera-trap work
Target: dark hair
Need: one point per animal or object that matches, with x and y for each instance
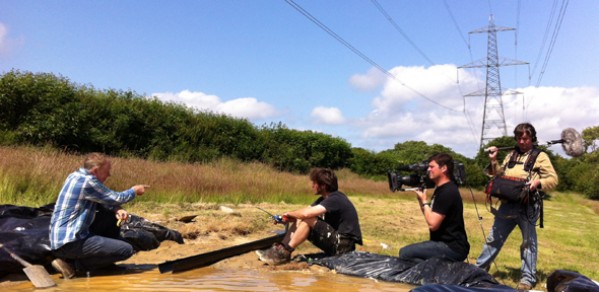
(324, 178)
(525, 128)
(444, 159)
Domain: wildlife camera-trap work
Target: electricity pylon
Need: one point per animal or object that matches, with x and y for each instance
(493, 117)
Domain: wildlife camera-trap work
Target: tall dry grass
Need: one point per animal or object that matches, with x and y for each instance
(33, 176)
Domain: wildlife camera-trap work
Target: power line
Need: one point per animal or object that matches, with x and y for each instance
(455, 23)
(545, 36)
(558, 25)
(516, 42)
(359, 53)
(396, 26)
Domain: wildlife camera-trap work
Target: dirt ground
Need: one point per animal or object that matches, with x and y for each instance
(215, 227)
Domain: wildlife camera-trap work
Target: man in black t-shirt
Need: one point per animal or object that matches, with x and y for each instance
(330, 223)
(444, 215)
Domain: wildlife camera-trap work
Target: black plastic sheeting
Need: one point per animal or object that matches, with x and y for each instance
(432, 275)
(567, 281)
(25, 232)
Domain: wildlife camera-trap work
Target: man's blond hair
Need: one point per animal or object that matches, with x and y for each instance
(94, 159)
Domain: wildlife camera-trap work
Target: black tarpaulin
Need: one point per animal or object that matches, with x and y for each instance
(26, 230)
(432, 271)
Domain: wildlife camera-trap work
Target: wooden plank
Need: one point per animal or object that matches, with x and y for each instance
(206, 259)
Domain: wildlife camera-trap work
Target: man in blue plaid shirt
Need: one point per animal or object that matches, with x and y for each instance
(82, 194)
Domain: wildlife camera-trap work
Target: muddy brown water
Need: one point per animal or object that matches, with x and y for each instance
(148, 278)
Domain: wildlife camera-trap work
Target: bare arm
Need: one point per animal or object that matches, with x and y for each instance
(433, 219)
(307, 212)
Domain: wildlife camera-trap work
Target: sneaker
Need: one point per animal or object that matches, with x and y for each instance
(64, 268)
(260, 252)
(523, 286)
(275, 255)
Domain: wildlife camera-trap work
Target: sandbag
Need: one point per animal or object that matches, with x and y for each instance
(146, 235)
(142, 234)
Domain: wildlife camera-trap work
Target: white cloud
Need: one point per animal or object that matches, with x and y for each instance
(245, 107)
(415, 88)
(400, 114)
(9, 44)
(328, 115)
(369, 81)
(553, 109)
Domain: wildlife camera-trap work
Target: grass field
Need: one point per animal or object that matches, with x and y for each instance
(33, 177)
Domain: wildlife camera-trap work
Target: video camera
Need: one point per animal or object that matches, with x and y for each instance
(418, 178)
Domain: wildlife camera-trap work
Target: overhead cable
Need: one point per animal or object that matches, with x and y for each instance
(545, 36)
(558, 26)
(461, 34)
(396, 26)
(359, 53)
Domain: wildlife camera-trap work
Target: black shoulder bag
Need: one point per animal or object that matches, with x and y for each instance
(512, 189)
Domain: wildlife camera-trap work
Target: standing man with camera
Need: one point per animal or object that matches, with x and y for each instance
(444, 215)
(330, 223)
(525, 162)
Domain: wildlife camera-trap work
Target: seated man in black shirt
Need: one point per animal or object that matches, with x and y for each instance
(330, 223)
(444, 214)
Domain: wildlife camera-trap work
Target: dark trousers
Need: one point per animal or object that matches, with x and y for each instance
(100, 250)
(95, 252)
(429, 249)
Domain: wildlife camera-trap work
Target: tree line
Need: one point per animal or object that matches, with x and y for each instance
(43, 109)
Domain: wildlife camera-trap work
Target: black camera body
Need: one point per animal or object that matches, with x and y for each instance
(418, 176)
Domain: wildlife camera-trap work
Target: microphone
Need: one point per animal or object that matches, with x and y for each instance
(571, 141)
(573, 144)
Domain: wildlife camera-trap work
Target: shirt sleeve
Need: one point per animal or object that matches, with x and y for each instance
(330, 204)
(99, 193)
(546, 173)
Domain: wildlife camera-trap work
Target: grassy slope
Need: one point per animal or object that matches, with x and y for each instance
(33, 177)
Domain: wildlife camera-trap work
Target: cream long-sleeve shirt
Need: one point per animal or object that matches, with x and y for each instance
(542, 169)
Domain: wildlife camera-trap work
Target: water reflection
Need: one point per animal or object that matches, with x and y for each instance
(219, 279)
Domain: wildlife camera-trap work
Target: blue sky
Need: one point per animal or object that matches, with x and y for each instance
(266, 62)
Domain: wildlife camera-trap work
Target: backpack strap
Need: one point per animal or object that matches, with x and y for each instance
(530, 161)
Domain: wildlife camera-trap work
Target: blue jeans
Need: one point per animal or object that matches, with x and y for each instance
(95, 252)
(422, 251)
(507, 217)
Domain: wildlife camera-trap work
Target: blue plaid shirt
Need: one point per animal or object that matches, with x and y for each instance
(75, 207)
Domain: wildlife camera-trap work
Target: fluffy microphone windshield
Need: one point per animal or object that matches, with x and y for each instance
(572, 144)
